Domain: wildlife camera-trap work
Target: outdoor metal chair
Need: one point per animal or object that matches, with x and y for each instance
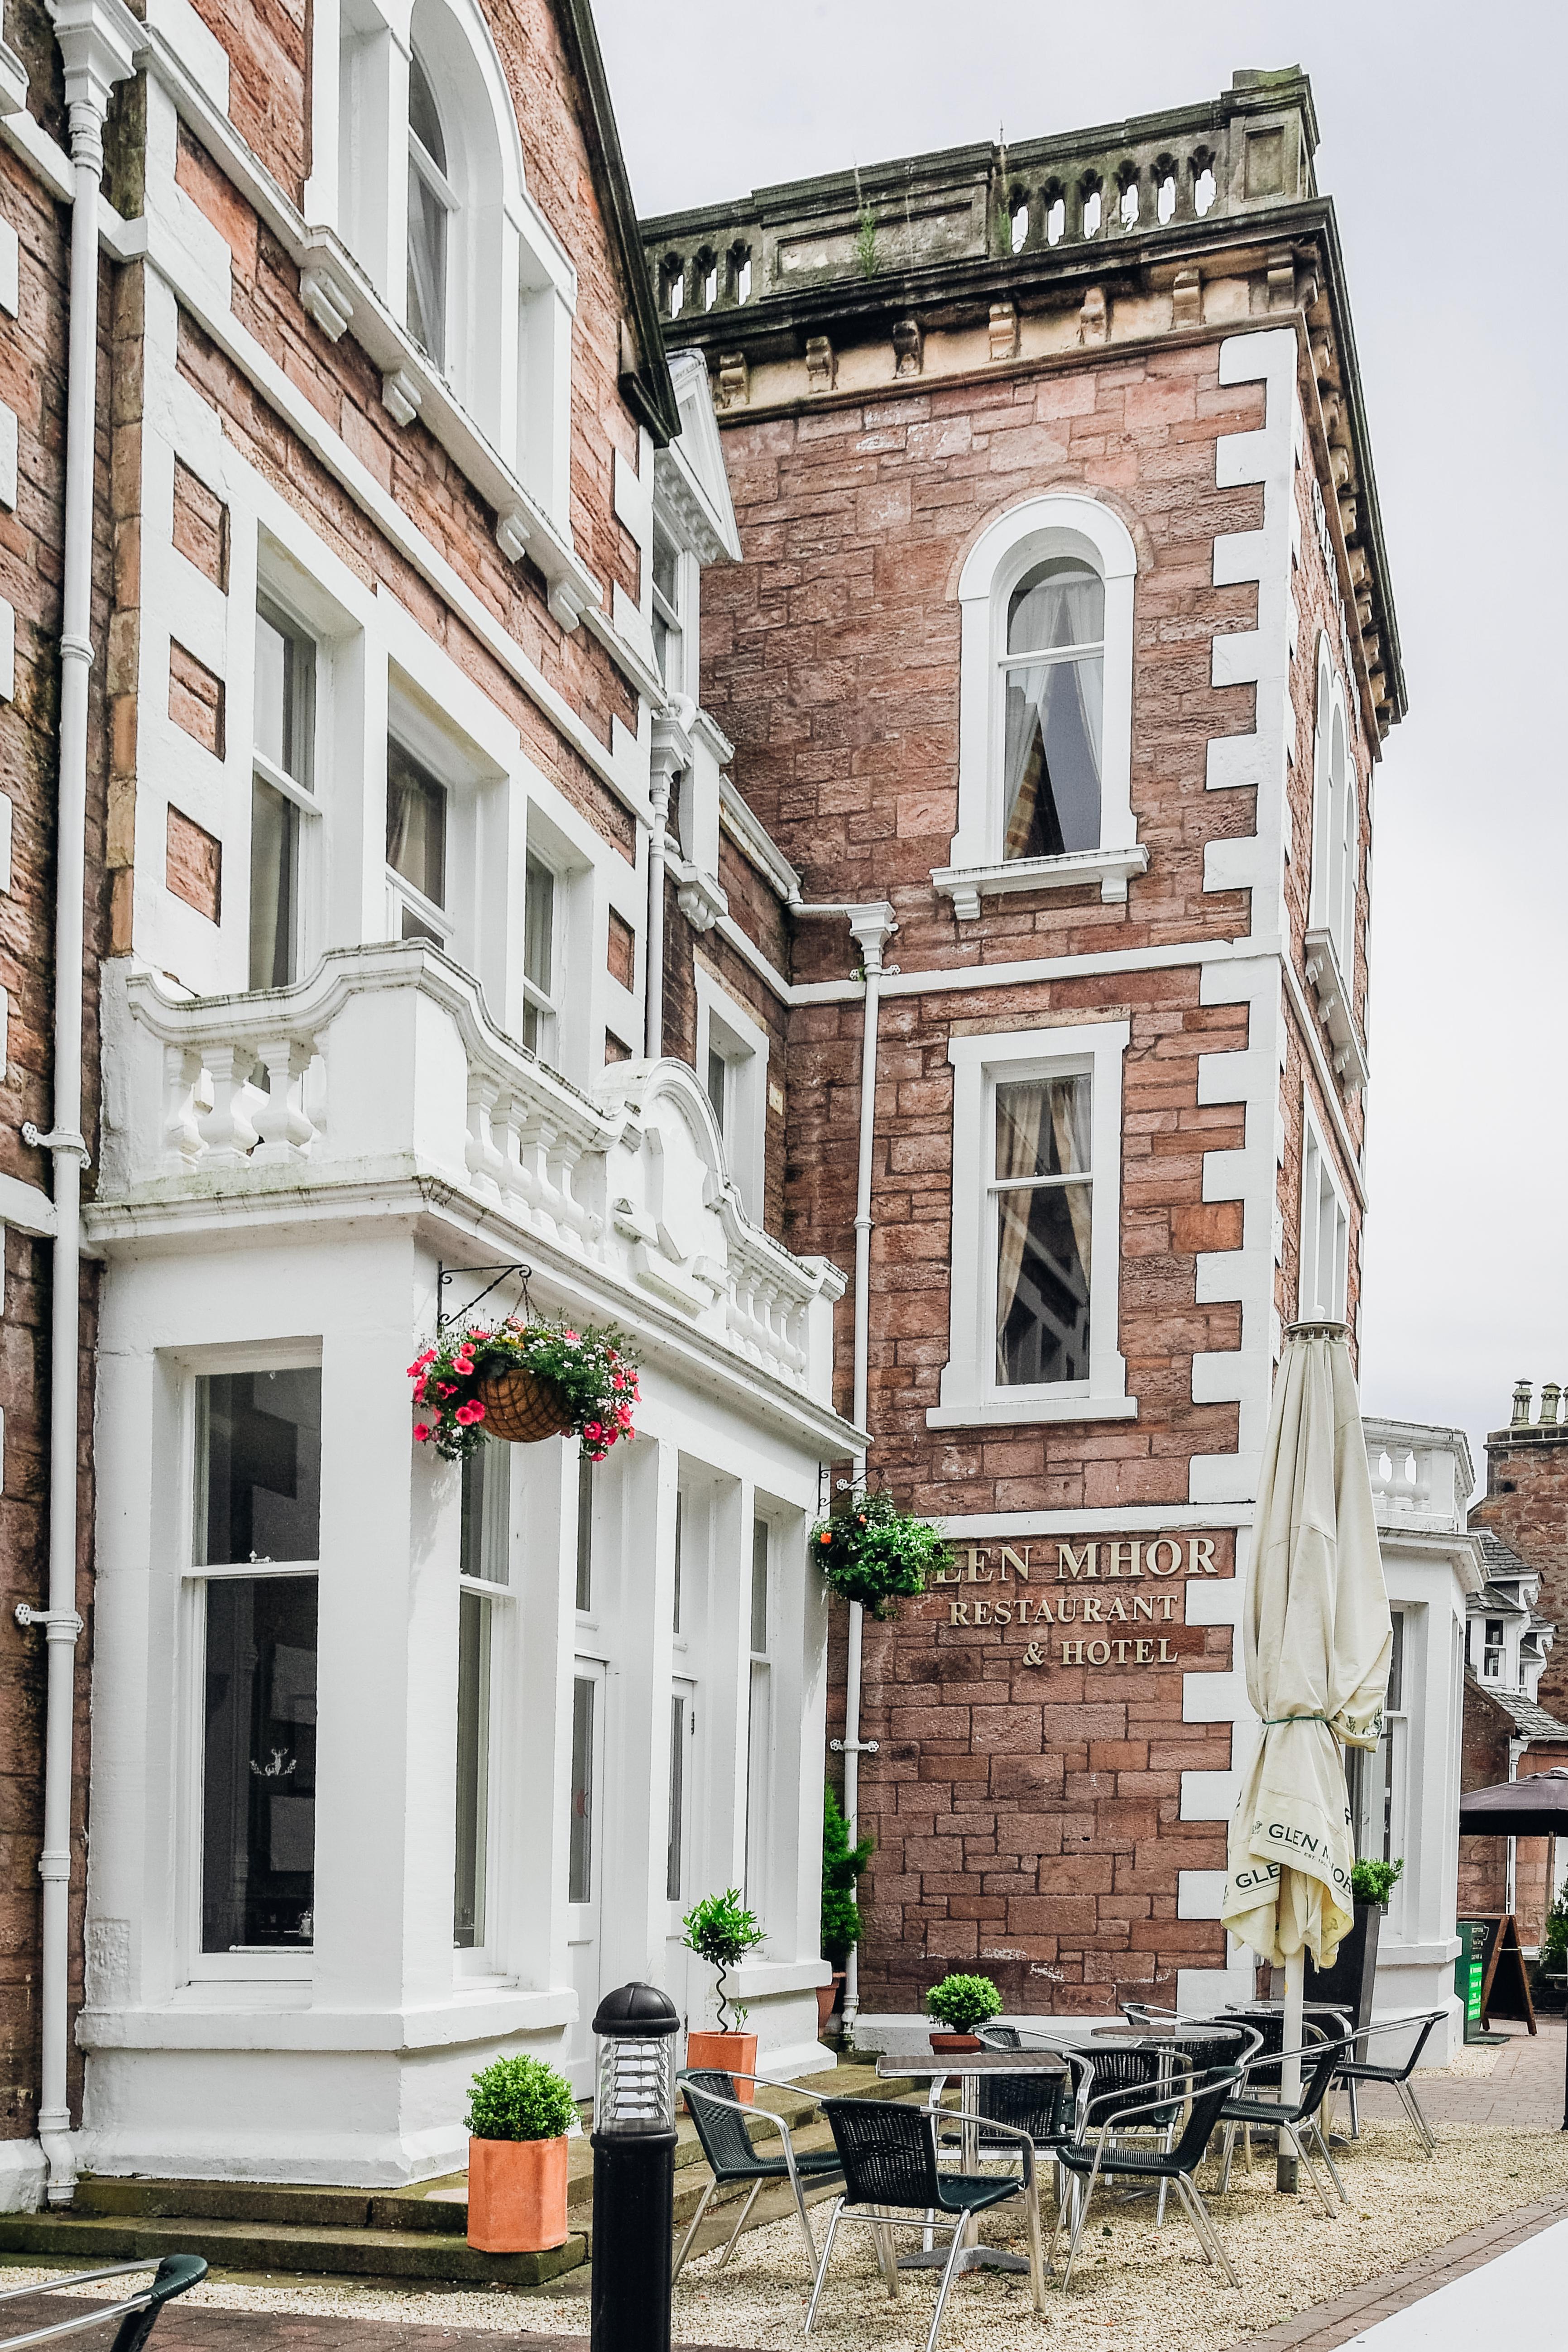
(1047, 2106)
(721, 2122)
(1298, 2120)
(891, 2179)
(137, 2314)
(1357, 2070)
(1099, 2153)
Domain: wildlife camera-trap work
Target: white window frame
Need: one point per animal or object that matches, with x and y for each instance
(1058, 524)
(678, 617)
(1320, 1186)
(485, 1960)
(762, 1739)
(545, 1005)
(971, 1395)
(302, 796)
(424, 167)
(193, 1965)
(723, 1026)
(1336, 813)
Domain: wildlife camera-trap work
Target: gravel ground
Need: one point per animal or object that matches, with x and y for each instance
(1136, 2289)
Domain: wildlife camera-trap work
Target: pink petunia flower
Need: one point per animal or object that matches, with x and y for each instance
(467, 1414)
(421, 1432)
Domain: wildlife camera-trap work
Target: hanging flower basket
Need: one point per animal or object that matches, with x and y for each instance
(522, 1383)
(872, 1553)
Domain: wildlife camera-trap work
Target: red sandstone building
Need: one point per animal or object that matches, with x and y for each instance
(1062, 646)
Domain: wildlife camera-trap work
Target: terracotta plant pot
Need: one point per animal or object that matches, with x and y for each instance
(522, 1408)
(728, 2053)
(517, 2195)
(953, 2045)
(828, 1998)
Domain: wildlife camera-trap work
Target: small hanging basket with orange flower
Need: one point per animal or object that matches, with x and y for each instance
(523, 1382)
(872, 1553)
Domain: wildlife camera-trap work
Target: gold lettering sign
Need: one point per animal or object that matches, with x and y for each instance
(1101, 1575)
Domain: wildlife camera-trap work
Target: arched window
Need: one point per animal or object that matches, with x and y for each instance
(1053, 667)
(1046, 705)
(432, 202)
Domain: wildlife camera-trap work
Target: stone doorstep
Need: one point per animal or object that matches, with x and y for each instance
(414, 2233)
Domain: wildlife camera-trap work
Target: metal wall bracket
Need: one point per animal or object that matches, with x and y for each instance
(48, 1618)
(853, 1746)
(57, 1140)
(445, 1275)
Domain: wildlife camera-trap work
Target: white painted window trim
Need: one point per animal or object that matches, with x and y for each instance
(192, 1965)
(1315, 1152)
(1060, 523)
(725, 1026)
(971, 1396)
(485, 1962)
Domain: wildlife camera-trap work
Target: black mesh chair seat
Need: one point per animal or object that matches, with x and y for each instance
(1296, 2121)
(1356, 2071)
(722, 2126)
(1101, 2151)
(892, 2179)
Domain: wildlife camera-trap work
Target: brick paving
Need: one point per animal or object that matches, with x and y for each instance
(1522, 2092)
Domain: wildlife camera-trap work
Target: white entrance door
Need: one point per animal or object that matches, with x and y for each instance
(585, 1865)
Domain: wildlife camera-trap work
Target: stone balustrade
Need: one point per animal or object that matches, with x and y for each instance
(1421, 1476)
(1248, 149)
(384, 1066)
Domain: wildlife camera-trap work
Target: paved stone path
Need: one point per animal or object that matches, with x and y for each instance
(1525, 2089)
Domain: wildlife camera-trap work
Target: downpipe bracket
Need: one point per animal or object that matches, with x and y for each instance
(853, 1746)
(57, 1139)
(69, 1625)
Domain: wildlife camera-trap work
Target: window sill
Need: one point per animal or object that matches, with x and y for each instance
(1111, 868)
(994, 1411)
(338, 295)
(1327, 984)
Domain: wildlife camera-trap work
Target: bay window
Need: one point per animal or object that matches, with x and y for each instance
(1034, 1302)
(541, 961)
(416, 807)
(1324, 1278)
(484, 1580)
(282, 791)
(256, 1546)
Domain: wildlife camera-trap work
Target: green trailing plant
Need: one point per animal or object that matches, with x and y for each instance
(872, 1553)
(520, 2098)
(721, 1930)
(842, 1864)
(866, 241)
(961, 2003)
(1374, 1882)
(594, 1371)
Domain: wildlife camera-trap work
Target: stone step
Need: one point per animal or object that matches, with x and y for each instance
(260, 2246)
(414, 2234)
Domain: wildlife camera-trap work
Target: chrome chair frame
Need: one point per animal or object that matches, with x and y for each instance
(1355, 2071)
(934, 2215)
(1143, 2162)
(136, 2314)
(792, 2169)
(1297, 2122)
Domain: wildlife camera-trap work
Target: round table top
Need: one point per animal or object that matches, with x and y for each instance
(970, 2062)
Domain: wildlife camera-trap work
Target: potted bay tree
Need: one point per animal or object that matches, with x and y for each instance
(961, 2003)
(721, 1930)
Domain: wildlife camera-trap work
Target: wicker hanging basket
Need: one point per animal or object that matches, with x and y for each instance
(521, 1407)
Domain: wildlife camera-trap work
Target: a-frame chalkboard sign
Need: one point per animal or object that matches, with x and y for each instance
(1505, 1980)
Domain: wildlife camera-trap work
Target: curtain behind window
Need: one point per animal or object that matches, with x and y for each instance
(1054, 713)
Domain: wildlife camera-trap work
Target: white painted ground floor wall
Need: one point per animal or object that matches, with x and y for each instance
(340, 2050)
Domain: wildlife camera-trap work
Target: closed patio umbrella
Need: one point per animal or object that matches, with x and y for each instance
(1317, 1641)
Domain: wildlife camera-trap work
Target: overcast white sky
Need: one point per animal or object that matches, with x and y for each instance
(1441, 151)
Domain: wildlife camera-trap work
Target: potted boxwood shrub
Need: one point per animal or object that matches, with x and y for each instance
(961, 2003)
(520, 2112)
(872, 1553)
(520, 1383)
(842, 1864)
(1352, 1974)
(721, 1930)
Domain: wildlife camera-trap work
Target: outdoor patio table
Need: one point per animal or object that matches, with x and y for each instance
(968, 2065)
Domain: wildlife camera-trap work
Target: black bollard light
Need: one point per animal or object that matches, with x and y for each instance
(634, 2170)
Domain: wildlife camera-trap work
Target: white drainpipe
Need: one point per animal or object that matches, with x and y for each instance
(97, 42)
(871, 927)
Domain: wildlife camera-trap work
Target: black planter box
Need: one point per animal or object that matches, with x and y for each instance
(1349, 1983)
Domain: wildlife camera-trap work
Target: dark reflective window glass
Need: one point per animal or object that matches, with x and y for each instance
(258, 1763)
(258, 1452)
